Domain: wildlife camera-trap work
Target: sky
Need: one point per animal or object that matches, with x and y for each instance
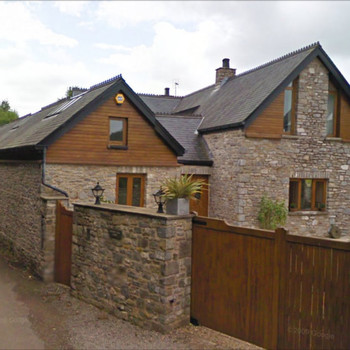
(48, 46)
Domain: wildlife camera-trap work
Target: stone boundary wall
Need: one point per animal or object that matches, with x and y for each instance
(20, 212)
(134, 263)
(77, 180)
(28, 217)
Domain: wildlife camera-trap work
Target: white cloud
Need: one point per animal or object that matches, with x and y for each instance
(19, 25)
(175, 54)
(73, 8)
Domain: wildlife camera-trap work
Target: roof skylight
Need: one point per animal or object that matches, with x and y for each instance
(63, 107)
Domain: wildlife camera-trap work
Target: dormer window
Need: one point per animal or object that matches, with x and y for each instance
(289, 108)
(332, 112)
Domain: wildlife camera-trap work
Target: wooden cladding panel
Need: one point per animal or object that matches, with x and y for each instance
(273, 289)
(344, 118)
(269, 123)
(87, 142)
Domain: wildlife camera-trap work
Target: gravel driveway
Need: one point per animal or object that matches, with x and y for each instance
(35, 315)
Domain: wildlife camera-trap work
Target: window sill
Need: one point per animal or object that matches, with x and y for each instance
(117, 147)
(336, 139)
(308, 213)
(291, 137)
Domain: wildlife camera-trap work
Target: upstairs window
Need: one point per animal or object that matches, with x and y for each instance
(332, 112)
(289, 108)
(307, 194)
(117, 131)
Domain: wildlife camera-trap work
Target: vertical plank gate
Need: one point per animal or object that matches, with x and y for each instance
(270, 288)
(63, 244)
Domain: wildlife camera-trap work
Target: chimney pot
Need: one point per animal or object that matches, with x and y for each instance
(167, 91)
(226, 63)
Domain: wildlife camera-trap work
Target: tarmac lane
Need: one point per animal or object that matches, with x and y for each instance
(15, 327)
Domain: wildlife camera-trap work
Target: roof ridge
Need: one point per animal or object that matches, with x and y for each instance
(167, 115)
(105, 82)
(281, 58)
(157, 95)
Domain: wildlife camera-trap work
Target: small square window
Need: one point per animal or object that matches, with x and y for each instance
(307, 194)
(118, 131)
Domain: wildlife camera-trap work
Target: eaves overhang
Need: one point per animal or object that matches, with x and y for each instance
(226, 127)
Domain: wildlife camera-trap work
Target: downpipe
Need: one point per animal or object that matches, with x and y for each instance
(43, 176)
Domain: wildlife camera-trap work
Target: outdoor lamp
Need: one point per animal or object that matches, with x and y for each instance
(160, 200)
(97, 191)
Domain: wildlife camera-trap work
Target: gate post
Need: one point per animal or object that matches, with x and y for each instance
(278, 283)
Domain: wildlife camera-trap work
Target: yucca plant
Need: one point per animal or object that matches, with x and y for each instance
(183, 187)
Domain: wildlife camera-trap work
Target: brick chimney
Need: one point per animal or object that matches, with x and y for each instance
(225, 71)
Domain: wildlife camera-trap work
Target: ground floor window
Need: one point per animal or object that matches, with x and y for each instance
(307, 194)
(130, 189)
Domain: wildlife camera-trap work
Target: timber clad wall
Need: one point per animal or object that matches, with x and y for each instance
(87, 142)
(269, 124)
(344, 118)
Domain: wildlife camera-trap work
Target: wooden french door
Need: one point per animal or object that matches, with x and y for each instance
(200, 203)
(130, 189)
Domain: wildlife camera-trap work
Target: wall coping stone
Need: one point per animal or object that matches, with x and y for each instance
(132, 210)
(48, 198)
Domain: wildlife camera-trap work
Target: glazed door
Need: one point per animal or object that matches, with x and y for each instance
(130, 189)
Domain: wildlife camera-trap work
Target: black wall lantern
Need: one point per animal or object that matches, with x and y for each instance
(97, 191)
(160, 200)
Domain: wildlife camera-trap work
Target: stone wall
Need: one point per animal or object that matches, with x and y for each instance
(28, 217)
(78, 180)
(246, 168)
(20, 211)
(134, 263)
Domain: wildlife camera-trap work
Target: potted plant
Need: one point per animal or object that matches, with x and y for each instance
(178, 192)
(292, 206)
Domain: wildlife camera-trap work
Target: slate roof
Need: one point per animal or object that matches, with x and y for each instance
(237, 101)
(184, 129)
(44, 127)
(160, 103)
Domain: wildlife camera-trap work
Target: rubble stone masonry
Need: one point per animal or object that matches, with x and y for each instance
(20, 215)
(247, 168)
(134, 263)
(77, 180)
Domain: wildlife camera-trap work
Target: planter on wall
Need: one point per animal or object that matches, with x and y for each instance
(178, 206)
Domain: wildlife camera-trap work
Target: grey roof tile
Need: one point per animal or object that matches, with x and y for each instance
(183, 129)
(160, 103)
(34, 128)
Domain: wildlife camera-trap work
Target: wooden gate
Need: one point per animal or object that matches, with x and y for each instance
(63, 244)
(270, 288)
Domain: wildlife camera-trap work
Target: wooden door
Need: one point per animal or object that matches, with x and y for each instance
(130, 189)
(200, 203)
(63, 244)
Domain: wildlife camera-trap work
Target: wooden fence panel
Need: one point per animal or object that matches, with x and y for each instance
(63, 244)
(317, 300)
(233, 281)
(270, 288)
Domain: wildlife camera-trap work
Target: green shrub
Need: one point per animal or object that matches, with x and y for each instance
(272, 213)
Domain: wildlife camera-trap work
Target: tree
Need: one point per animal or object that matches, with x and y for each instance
(6, 113)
